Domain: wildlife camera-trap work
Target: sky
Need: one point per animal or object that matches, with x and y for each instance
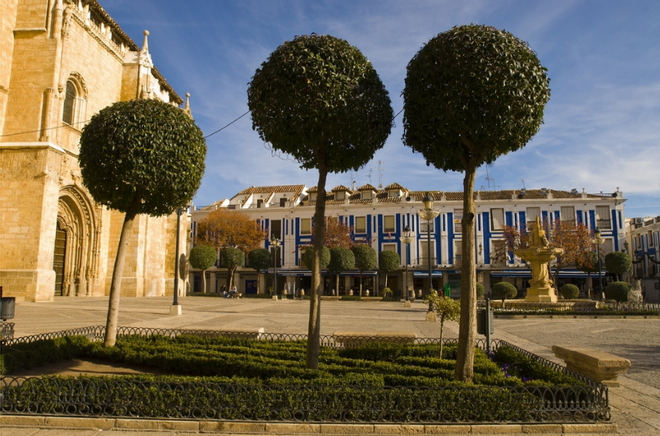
(601, 126)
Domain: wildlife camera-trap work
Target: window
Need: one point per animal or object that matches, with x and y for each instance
(651, 244)
(389, 247)
(532, 214)
(498, 255)
(312, 196)
(360, 224)
(75, 98)
(340, 195)
(424, 253)
(568, 214)
(425, 224)
(366, 195)
(276, 229)
(282, 202)
(305, 226)
(607, 247)
(388, 223)
(393, 194)
(638, 242)
(458, 217)
(260, 203)
(458, 252)
(496, 219)
(603, 217)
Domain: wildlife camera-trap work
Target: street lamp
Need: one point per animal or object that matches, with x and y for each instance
(598, 240)
(176, 307)
(407, 238)
(429, 215)
(275, 243)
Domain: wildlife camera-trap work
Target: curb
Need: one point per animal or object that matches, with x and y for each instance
(279, 428)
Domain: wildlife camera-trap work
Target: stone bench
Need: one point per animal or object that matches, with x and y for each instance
(598, 365)
(357, 338)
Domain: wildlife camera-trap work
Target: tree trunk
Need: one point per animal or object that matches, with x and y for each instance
(117, 273)
(337, 283)
(467, 327)
(314, 328)
(204, 281)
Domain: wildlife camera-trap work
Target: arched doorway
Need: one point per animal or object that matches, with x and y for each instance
(75, 259)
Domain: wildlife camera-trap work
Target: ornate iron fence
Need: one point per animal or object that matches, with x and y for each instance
(137, 396)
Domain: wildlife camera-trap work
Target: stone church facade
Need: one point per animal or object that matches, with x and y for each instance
(61, 61)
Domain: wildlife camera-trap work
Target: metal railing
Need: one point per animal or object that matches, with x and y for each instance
(148, 397)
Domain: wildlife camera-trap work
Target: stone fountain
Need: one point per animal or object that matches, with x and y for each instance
(538, 254)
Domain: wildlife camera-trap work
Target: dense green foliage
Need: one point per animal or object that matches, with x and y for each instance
(388, 261)
(569, 291)
(341, 259)
(142, 152)
(618, 262)
(260, 259)
(365, 257)
(202, 257)
(232, 257)
(40, 353)
(473, 91)
(618, 291)
(308, 257)
(319, 99)
(504, 291)
(480, 290)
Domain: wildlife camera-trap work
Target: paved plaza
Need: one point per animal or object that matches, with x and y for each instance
(635, 405)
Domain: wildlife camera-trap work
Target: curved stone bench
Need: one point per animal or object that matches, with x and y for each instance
(598, 365)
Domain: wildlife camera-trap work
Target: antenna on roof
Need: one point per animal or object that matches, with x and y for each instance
(380, 174)
(489, 178)
(370, 170)
(523, 182)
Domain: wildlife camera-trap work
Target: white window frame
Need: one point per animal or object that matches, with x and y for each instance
(567, 214)
(493, 223)
(530, 216)
(387, 218)
(603, 218)
(358, 229)
(458, 217)
(305, 226)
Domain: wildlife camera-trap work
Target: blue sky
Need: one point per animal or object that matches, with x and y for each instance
(602, 123)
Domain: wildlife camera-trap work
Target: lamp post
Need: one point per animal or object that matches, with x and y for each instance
(275, 243)
(176, 307)
(598, 240)
(407, 238)
(429, 215)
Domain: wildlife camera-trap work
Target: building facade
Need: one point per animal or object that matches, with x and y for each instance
(643, 239)
(379, 217)
(62, 62)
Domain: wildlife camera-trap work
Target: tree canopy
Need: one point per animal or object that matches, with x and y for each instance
(139, 157)
(337, 233)
(203, 257)
(365, 259)
(618, 262)
(320, 100)
(227, 228)
(388, 261)
(308, 257)
(472, 94)
(142, 157)
(341, 259)
(232, 258)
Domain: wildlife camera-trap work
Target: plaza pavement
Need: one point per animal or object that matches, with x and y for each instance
(635, 405)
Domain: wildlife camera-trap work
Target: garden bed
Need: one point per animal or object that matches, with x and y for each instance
(215, 376)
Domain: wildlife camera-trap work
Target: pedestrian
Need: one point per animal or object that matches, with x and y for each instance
(232, 292)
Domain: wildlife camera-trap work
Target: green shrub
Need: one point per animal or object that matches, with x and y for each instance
(504, 291)
(480, 290)
(569, 291)
(44, 352)
(617, 291)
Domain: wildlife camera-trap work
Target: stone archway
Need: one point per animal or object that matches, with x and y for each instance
(78, 227)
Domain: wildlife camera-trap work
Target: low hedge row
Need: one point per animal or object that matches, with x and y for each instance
(151, 397)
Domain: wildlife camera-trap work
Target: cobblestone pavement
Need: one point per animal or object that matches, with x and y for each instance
(635, 405)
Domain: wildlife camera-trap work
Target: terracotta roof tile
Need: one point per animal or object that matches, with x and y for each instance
(367, 187)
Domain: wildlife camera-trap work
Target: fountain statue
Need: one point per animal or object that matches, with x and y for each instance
(538, 254)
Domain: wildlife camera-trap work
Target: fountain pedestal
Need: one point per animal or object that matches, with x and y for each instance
(538, 254)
